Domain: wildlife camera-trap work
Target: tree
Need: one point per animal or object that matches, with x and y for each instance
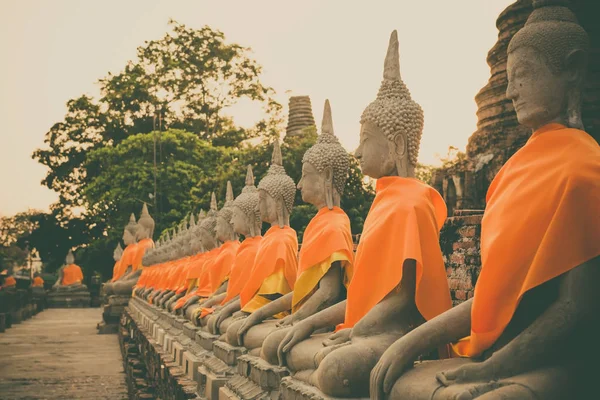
(184, 80)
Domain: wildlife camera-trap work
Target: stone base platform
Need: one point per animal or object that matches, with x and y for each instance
(254, 379)
(68, 299)
(111, 314)
(167, 351)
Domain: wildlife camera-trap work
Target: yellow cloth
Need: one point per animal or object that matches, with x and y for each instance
(307, 282)
(274, 283)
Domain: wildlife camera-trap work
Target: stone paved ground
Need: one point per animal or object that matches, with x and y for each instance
(57, 354)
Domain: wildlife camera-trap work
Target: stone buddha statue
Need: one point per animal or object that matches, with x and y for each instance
(245, 219)
(275, 265)
(326, 255)
(144, 230)
(210, 244)
(220, 270)
(398, 279)
(117, 254)
(70, 276)
(129, 239)
(527, 332)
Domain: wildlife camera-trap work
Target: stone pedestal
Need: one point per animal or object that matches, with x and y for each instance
(217, 369)
(293, 389)
(256, 378)
(69, 298)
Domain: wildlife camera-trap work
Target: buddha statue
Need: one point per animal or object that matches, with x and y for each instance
(196, 253)
(527, 332)
(200, 287)
(326, 255)
(144, 230)
(70, 276)
(129, 239)
(245, 219)
(275, 266)
(398, 278)
(220, 270)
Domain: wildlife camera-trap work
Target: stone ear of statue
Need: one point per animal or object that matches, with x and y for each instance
(575, 66)
(280, 211)
(329, 190)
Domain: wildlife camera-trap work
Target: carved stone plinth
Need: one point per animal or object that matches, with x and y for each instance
(256, 379)
(293, 389)
(69, 299)
(206, 339)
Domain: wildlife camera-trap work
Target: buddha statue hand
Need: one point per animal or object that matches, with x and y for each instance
(484, 371)
(239, 314)
(253, 319)
(299, 332)
(399, 357)
(334, 342)
(285, 322)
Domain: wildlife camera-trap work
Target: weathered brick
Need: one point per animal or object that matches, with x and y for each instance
(460, 295)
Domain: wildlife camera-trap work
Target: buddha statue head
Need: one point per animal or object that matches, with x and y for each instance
(118, 252)
(245, 218)
(391, 126)
(207, 232)
(547, 61)
(224, 229)
(276, 191)
(70, 259)
(324, 167)
(184, 238)
(196, 242)
(145, 225)
(130, 231)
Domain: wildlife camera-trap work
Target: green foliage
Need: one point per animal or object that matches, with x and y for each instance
(184, 81)
(424, 173)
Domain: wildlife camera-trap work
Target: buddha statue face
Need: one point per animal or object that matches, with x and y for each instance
(70, 259)
(313, 185)
(224, 230)
(540, 95)
(128, 237)
(546, 65)
(239, 222)
(267, 206)
(376, 154)
(208, 240)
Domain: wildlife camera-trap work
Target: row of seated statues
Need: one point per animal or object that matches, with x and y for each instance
(353, 324)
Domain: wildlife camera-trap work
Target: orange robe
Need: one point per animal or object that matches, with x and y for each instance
(126, 260)
(403, 224)
(38, 282)
(204, 288)
(72, 274)
(221, 269)
(327, 239)
(197, 277)
(274, 271)
(542, 220)
(140, 249)
(9, 282)
(242, 267)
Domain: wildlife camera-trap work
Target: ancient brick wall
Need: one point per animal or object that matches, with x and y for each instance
(459, 241)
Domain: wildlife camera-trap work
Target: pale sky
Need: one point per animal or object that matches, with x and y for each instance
(56, 50)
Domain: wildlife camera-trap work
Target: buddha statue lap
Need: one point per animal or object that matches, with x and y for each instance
(326, 256)
(530, 320)
(398, 279)
(245, 220)
(275, 266)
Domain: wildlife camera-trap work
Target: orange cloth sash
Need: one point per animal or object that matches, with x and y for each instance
(9, 282)
(326, 234)
(198, 277)
(277, 257)
(542, 220)
(403, 223)
(126, 260)
(37, 281)
(221, 269)
(140, 250)
(242, 267)
(116, 270)
(203, 287)
(72, 274)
